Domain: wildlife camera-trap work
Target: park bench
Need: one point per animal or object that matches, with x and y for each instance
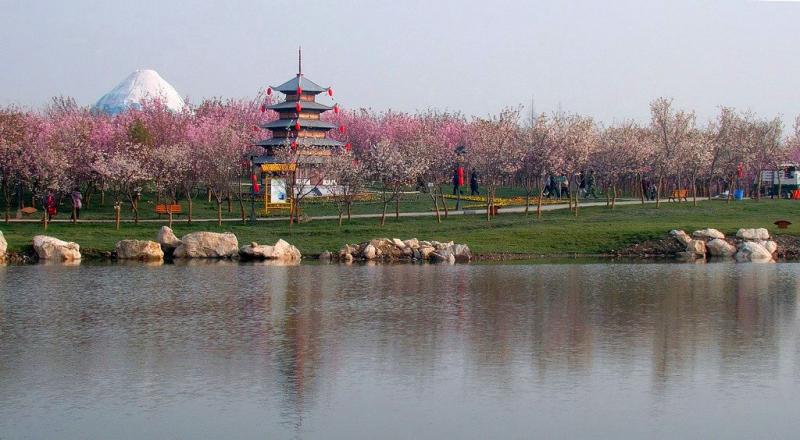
(28, 210)
(678, 194)
(165, 208)
(278, 207)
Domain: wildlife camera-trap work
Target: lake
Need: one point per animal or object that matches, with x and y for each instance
(240, 351)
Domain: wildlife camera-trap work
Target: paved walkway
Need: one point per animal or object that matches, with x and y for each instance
(507, 209)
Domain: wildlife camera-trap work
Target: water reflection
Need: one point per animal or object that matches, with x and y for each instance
(212, 350)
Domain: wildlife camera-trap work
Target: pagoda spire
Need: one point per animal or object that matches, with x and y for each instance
(299, 61)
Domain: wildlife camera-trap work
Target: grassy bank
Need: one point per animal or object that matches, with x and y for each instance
(597, 230)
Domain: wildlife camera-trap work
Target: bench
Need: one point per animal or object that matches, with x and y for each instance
(277, 207)
(29, 210)
(168, 208)
(678, 194)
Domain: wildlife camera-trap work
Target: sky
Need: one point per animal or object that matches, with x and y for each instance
(607, 59)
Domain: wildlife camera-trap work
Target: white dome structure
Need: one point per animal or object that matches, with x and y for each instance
(141, 85)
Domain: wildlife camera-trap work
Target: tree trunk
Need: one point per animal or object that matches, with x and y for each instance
(219, 212)
(6, 200)
(436, 205)
(349, 210)
(539, 204)
(44, 218)
(341, 211)
(170, 217)
(658, 192)
(444, 203)
(383, 215)
(694, 190)
(397, 205)
(614, 196)
(189, 199)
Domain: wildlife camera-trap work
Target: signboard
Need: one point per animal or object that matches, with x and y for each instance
(277, 191)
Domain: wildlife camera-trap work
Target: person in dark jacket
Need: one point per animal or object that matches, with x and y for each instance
(473, 184)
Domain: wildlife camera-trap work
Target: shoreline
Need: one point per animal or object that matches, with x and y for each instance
(664, 248)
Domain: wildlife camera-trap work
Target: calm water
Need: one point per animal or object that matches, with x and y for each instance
(212, 351)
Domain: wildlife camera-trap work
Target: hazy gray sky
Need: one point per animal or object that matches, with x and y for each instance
(603, 58)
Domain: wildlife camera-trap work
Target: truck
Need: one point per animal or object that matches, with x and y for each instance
(785, 179)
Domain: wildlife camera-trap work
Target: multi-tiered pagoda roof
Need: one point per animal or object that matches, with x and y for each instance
(304, 127)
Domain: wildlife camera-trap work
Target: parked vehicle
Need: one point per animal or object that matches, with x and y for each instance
(786, 179)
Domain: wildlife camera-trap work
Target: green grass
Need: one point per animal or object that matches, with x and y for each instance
(597, 230)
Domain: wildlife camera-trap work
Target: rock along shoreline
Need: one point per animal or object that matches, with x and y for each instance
(701, 245)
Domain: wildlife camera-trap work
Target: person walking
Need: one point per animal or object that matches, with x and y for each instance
(589, 185)
(77, 203)
(473, 184)
(50, 206)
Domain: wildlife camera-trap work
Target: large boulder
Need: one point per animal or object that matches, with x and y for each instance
(207, 245)
(370, 252)
(697, 247)
(167, 239)
(752, 251)
(769, 245)
(3, 247)
(143, 250)
(720, 248)
(753, 234)
(682, 237)
(461, 253)
(708, 234)
(53, 249)
(281, 250)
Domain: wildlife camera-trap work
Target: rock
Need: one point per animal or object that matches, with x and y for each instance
(681, 236)
(347, 258)
(167, 239)
(708, 234)
(686, 256)
(398, 243)
(370, 252)
(143, 250)
(426, 251)
(417, 255)
(412, 243)
(443, 255)
(752, 251)
(697, 247)
(753, 234)
(769, 245)
(281, 250)
(720, 248)
(51, 248)
(3, 247)
(207, 245)
(325, 256)
(461, 253)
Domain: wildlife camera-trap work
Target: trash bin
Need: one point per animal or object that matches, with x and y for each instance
(738, 194)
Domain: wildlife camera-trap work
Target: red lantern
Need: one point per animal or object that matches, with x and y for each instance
(294, 145)
(740, 170)
(269, 91)
(297, 126)
(256, 187)
(263, 108)
(347, 146)
(299, 91)
(336, 109)
(460, 176)
(330, 91)
(298, 107)
(341, 129)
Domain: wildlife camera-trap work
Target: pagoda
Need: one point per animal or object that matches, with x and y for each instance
(299, 124)
(299, 118)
